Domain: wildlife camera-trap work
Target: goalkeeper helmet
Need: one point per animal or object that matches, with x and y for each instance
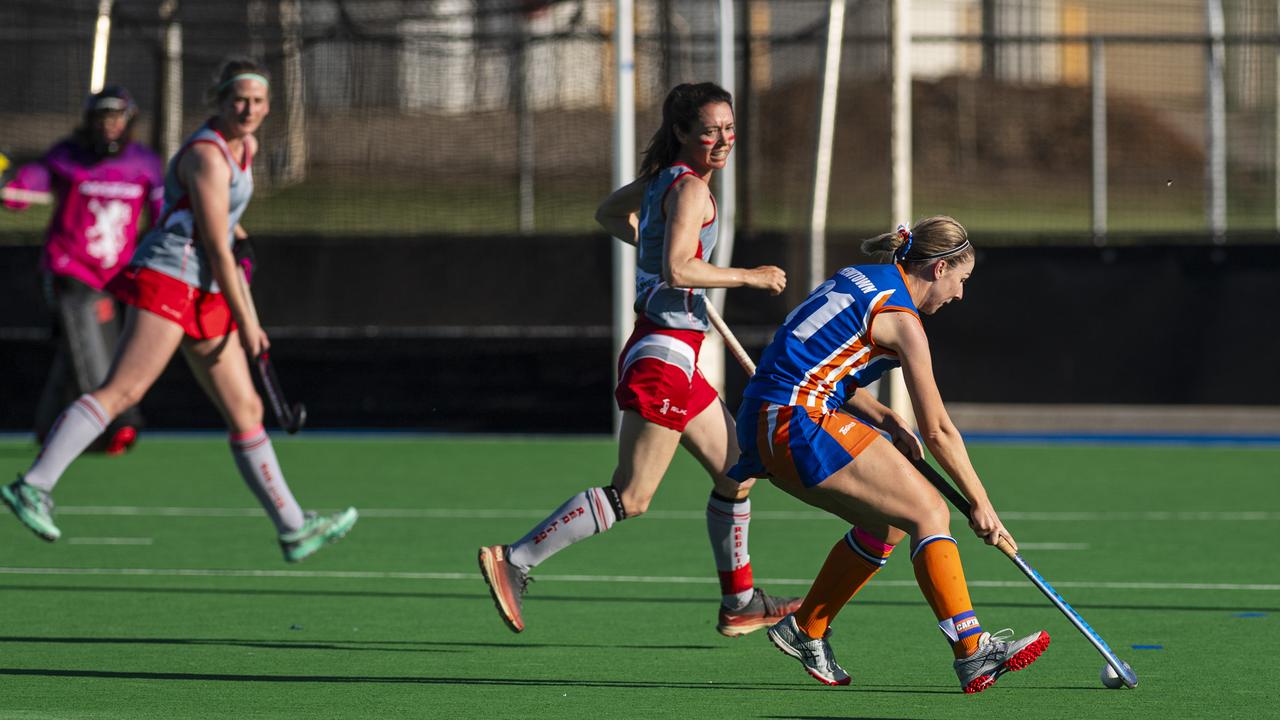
(112, 98)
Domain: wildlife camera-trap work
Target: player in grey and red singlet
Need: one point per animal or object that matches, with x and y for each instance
(670, 215)
(184, 294)
(101, 181)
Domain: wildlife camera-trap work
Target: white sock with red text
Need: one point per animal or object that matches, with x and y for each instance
(80, 424)
(256, 460)
(588, 513)
(727, 522)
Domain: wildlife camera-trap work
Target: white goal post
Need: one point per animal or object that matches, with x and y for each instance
(893, 389)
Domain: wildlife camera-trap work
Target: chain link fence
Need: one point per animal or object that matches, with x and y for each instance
(421, 117)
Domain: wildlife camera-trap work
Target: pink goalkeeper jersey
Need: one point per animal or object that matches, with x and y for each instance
(99, 202)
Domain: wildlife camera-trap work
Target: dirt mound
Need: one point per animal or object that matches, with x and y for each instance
(967, 126)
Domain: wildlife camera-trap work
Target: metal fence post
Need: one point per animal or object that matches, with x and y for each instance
(828, 93)
(525, 147)
(1276, 121)
(1098, 98)
(624, 171)
(1215, 124)
(168, 132)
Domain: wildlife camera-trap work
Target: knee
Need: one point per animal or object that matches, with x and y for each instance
(928, 516)
(935, 516)
(245, 413)
(633, 493)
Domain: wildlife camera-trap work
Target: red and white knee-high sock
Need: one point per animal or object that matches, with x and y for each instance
(727, 523)
(256, 460)
(80, 424)
(588, 513)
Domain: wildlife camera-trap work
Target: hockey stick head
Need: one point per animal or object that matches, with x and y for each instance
(298, 418)
(291, 417)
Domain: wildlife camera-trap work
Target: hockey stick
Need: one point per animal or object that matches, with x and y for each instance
(290, 417)
(1126, 673)
(22, 195)
(730, 341)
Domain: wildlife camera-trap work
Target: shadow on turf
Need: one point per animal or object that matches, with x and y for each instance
(407, 646)
(427, 680)
(592, 599)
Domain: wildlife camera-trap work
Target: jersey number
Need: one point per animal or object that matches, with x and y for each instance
(833, 303)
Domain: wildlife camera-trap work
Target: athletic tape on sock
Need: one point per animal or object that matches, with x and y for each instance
(961, 626)
(615, 501)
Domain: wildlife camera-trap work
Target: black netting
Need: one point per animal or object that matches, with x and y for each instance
(415, 117)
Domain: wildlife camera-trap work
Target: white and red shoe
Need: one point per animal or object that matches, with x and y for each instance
(507, 584)
(997, 655)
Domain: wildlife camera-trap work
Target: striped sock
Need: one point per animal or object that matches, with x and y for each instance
(941, 578)
(850, 565)
(588, 513)
(78, 426)
(727, 525)
(256, 460)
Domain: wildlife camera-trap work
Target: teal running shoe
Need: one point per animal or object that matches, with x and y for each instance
(33, 506)
(316, 532)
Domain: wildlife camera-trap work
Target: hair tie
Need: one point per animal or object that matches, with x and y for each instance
(907, 239)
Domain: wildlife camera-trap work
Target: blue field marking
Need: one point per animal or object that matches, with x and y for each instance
(1170, 439)
(1147, 647)
(1249, 614)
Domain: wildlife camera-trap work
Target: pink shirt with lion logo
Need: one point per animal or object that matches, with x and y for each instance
(99, 203)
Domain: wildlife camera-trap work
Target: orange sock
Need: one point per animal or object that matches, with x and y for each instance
(849, 566)
(941, 578)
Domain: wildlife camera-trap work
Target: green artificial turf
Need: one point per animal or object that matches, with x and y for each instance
(190, 612)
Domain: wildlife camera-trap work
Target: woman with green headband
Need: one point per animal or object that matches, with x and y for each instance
(184, 289)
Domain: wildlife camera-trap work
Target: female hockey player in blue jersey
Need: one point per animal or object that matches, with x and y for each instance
(805, 423)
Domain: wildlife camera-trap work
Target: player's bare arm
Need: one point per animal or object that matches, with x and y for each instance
(688, 206)
(903, 333)
(866, 406)
(617, 214)
(205, 170)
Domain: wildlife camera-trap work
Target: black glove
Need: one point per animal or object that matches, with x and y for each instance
(242, 250)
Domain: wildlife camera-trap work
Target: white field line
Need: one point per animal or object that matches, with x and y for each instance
(149, 541)
(699, 515)
(644, 579)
